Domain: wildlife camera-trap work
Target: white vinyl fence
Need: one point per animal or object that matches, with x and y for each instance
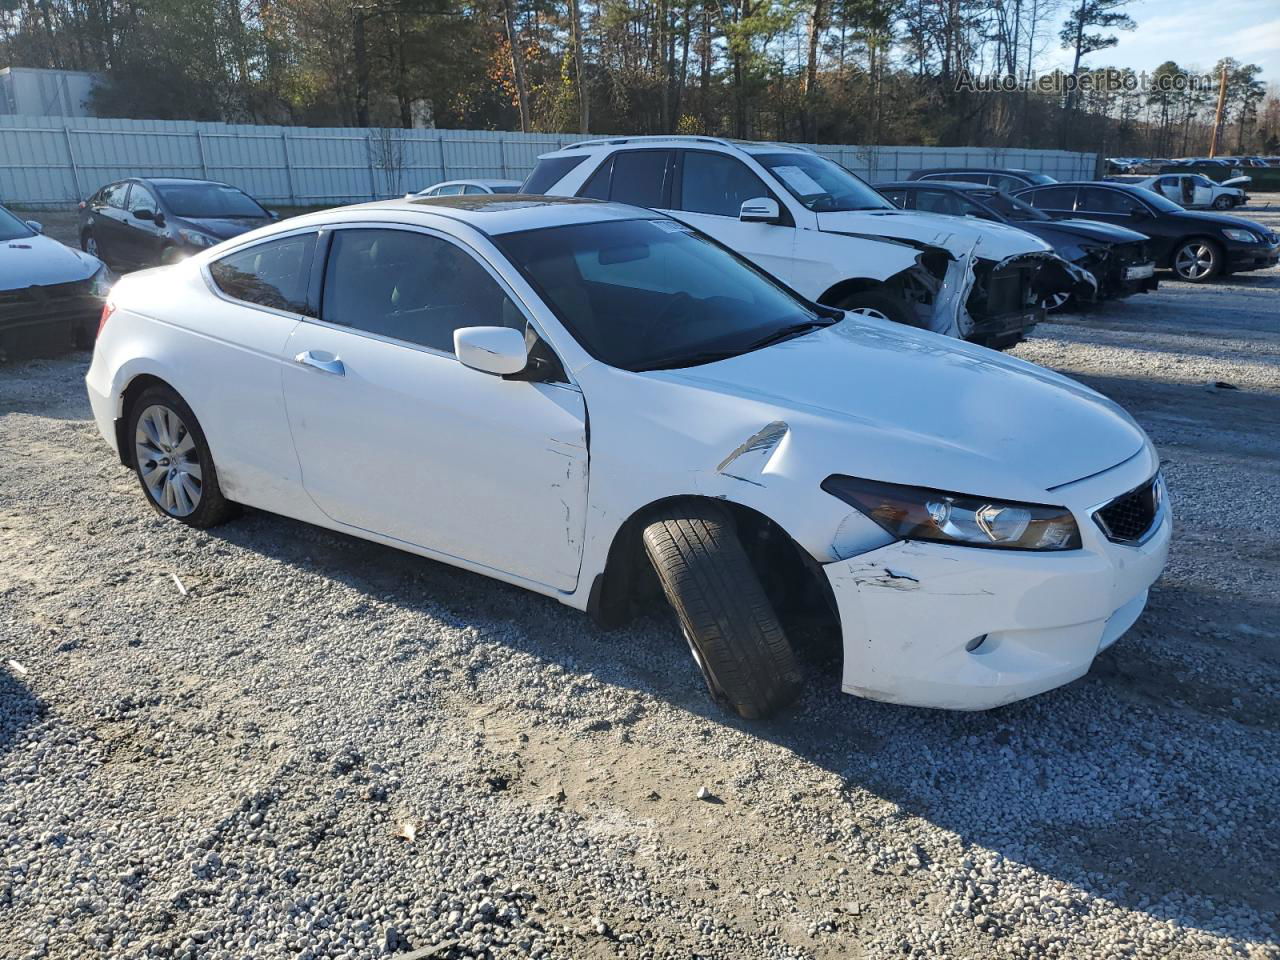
(57, 161)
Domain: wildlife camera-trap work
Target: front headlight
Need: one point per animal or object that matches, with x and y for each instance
(919, 513)
(194, 238)
(1240, 236)
(100, 283)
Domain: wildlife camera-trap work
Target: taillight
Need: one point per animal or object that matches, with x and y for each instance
(108, 309)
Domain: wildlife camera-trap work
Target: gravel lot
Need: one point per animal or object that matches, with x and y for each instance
(318, 747)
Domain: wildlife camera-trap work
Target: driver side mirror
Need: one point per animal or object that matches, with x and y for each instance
(760, 210)
(1140, 213)
(142, 213)
(36, 225)
(275, 214)
(496, 350)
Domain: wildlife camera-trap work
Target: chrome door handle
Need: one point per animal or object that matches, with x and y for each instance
(308, 358)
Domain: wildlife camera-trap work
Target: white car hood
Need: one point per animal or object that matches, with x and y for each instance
(957, 235)
(41, 261)
(890, 403)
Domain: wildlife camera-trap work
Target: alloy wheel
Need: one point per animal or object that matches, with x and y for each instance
(1055, 300)
(168, 463)
(91, 245)
(1194, 261)
(869, 312)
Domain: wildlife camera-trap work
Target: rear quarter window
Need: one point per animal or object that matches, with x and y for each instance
(273, 274)
(548, 172)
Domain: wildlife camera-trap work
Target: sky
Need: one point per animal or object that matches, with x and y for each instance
(1192, 33)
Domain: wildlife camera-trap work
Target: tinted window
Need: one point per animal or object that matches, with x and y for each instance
(716, 183)
(960, 176)
(597, 185)
(140, 198)
(11, 228)
(1098, 200)
(1006, 182)
(1051, 198)
(271, 274)
(640, 178)
(471, 188)
(113, 196)
(410, 286)
(452, 190)
(941, 201)
(504, 188)
(549, 172)
(209, 200)
(897, 196)
(651, 294)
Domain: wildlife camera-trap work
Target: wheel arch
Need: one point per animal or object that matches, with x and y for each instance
(132, 390)
(778, 559)
(1205, 237)
(845, 288)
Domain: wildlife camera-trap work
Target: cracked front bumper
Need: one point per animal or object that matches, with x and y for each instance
(909, 610)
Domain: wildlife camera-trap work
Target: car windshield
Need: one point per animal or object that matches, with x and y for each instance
(1011, 207)
(208, 201)
(822, 186)
(654, 294)
(1040, 178)
(1159, 201)
(11, 228)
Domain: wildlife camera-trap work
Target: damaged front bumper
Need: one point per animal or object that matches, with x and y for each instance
(959, 628)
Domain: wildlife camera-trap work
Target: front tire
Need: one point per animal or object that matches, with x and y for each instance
(1197, 260)
(89, 244)
(728, 621)
(172, 460)
(882, 306)
(1223, 203)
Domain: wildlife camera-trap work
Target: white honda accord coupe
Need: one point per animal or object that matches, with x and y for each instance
(598, 403)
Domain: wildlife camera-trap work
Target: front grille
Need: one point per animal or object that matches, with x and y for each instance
(48, 304)
(1129, 517)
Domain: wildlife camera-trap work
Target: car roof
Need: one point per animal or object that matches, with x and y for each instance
(658, 141)
(495, 182)
(1017, 170)
(180, 180)
(491, 213)
(957, 185)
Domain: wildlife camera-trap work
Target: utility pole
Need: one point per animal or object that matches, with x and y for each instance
(1217, 115)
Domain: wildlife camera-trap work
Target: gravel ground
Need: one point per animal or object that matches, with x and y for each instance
(318, 747)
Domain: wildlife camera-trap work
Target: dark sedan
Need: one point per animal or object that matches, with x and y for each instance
(1197, 246)
(51, 296)
(141, 223)
(1116, 256)
(1002, 178)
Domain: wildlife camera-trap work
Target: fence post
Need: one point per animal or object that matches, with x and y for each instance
(204, 166)
(502, 157)
(75, 171)
(444, 168)
(373, 177)
(288, 167)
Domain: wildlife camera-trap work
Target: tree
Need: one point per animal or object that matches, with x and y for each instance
(1074, 35)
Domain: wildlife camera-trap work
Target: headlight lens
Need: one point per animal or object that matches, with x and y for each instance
(196, 239)
(919, 513)
(1240, 236)
(100, 283)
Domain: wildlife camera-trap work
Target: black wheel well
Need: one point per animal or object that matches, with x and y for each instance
(131, 392)
(791, 577)
(845, 288)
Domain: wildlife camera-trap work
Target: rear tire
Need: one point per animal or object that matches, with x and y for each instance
(884, 306)
(172, 460)
(732, 629)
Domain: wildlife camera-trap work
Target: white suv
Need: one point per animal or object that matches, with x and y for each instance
(824, 232)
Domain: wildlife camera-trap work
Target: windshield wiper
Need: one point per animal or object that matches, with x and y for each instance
(790, 332)
(687, 359)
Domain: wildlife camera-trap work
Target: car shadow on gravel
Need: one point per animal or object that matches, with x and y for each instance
(1121, 792)
(19, 707)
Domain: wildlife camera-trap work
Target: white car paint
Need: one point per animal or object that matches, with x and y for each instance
(1204, 192)
(413, 449)
(826, 249)
(447, 188)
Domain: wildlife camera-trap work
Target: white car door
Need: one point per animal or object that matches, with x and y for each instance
(708, 193)
(1204, 191)
(395, 436)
